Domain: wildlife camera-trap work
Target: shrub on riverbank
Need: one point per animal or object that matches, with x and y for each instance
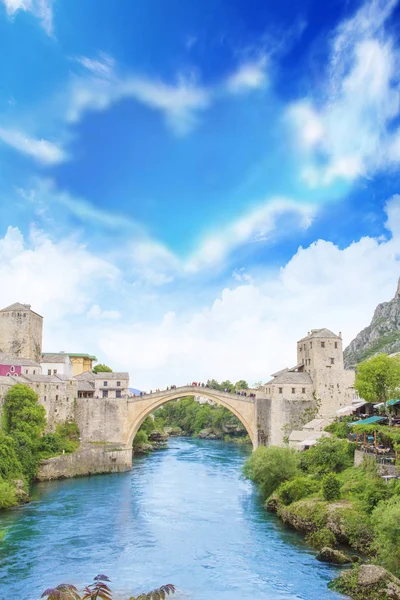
(331, 502)
(269, 466)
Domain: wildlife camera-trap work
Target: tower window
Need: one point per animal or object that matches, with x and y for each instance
(332, 361)
(293, 390)
(322, 344)
(105, 383)
(118, 394)
(118, 383)
(280, 390)
(48, 371)
(56, 397)
(310, 344)
(105, 393)
(303, 390)
(54, 371)
(34, 372)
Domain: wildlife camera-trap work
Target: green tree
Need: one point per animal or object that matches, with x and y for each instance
(214, 385)
(242, 385)
(270, 466)
(100, 368)
(10, 467)
(227, 385)
(8, 496)
(378, 380)
(330, 487)
(329, 455)
(24, 420)
(386, 523)
(22, 412)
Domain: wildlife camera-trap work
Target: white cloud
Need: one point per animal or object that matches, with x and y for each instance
(179, 102)
(58, 279)
(156, 264)
(249, 76)
(42, 9)
(251, 331)
(41, 150)
(345, 132)
(44, 195)
(248, 331)
(98, 314)
(151, 261)
(255, 226)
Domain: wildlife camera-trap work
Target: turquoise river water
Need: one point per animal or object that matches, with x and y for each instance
(184, 516)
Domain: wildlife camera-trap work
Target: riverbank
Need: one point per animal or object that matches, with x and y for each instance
(89, 459)
(333, 504)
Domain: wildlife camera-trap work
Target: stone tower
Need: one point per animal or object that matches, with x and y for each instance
(21, 332)
(321, 355)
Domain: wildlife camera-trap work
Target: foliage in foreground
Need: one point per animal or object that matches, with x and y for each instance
(99, 590)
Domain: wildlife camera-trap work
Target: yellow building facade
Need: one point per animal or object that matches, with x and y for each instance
(81, 363)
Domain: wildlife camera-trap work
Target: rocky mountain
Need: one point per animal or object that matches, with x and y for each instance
(382, 335)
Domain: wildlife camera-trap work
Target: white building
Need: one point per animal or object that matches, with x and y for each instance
(56, 364)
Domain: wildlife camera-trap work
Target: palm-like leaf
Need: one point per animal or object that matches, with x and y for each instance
(97, 591)
(159, 594)
(64, 591)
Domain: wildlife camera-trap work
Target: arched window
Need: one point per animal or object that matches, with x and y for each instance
(12, 369)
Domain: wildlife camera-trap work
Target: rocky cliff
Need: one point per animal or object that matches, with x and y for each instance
(382, 335)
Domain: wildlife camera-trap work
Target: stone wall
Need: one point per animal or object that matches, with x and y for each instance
(286, 415)
(263, 421)
(102, 419)
(89, 460)
(57, 397)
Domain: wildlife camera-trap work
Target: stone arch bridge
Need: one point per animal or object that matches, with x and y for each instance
(116, 421)
(243, 407)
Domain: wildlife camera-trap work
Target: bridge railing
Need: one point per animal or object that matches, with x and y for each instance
(192, 390)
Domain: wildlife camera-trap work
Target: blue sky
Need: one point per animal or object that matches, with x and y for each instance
(186, 188)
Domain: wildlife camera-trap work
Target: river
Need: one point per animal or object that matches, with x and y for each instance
(184, 516)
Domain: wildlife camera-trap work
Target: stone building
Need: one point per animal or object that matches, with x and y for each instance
(317, 386)
(103, 385)
(56, 364)
(21, 332)
(10, 366)
(57, 394)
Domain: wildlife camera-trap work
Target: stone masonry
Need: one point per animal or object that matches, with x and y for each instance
(21, 332)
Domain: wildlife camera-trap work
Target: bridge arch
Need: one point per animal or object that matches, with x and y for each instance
(141, 406)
